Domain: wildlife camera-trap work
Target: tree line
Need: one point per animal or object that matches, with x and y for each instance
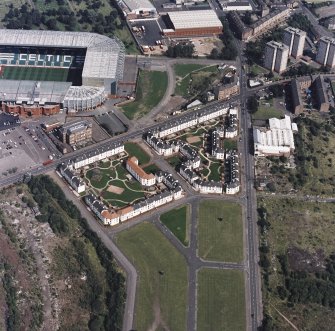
(45, 192)
(60, 17)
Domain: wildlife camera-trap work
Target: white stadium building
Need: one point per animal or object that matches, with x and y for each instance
(99, 59)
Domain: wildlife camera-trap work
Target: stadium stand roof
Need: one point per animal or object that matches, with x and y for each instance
(187, 20)
(28, 90)
(104, 55)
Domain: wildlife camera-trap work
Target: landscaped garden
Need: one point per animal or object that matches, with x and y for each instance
(114, 184)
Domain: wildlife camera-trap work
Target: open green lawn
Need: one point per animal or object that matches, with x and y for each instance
(258, 70)
(174, 160)
(151, 168)
(220, 240)
(221, 300)
(134, 149)
(105, 164)
(230, 144)
(162, 278)
(150, 89)
(266, 110)
(264, 113)
(177, 220)
(99, 177)
(215, 172)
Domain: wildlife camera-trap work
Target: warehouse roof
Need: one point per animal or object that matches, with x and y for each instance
(194, 19)
(104, 56)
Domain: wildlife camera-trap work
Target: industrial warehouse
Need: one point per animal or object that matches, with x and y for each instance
(64, 57)
(183, 23)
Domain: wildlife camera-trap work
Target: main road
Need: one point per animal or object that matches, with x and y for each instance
(253, 273)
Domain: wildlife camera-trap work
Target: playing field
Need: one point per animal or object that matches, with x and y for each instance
(35, 73)
(220, 231)
(221, 300)
(162, 278)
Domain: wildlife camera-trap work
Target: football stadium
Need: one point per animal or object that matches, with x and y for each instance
(44, 71)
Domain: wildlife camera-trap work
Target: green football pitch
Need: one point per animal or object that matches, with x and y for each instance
(35, 73)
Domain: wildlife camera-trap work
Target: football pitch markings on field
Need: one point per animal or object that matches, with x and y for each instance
(35, 73)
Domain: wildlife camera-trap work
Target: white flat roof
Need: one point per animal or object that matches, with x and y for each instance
(194, 19)
(104, 56)
(135, 5)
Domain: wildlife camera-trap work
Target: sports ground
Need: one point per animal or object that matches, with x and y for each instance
(34, 73)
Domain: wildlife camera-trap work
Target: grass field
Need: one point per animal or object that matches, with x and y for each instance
(220, 240)
(221, 300)
(134, 149)
(265, 112)
(162, 283)
(194, 77)
(150, 89)
(182, 70)
(177, 221)
(34, 73)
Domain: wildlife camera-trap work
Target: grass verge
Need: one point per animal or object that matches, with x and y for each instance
(177, 221)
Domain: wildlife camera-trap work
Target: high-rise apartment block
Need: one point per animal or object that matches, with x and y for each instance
(276, 56)
(326, 52)
(295, 40)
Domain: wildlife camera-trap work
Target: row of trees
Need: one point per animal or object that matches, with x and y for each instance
(229, 50)
(180, 50)
(46, 193)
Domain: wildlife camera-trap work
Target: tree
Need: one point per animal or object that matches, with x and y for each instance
(252, 104)
(271, 187)
(215, 54)
(229, 52)
(51, 24)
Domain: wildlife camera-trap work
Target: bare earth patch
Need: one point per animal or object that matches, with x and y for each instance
(115, 189)
(192, 140)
